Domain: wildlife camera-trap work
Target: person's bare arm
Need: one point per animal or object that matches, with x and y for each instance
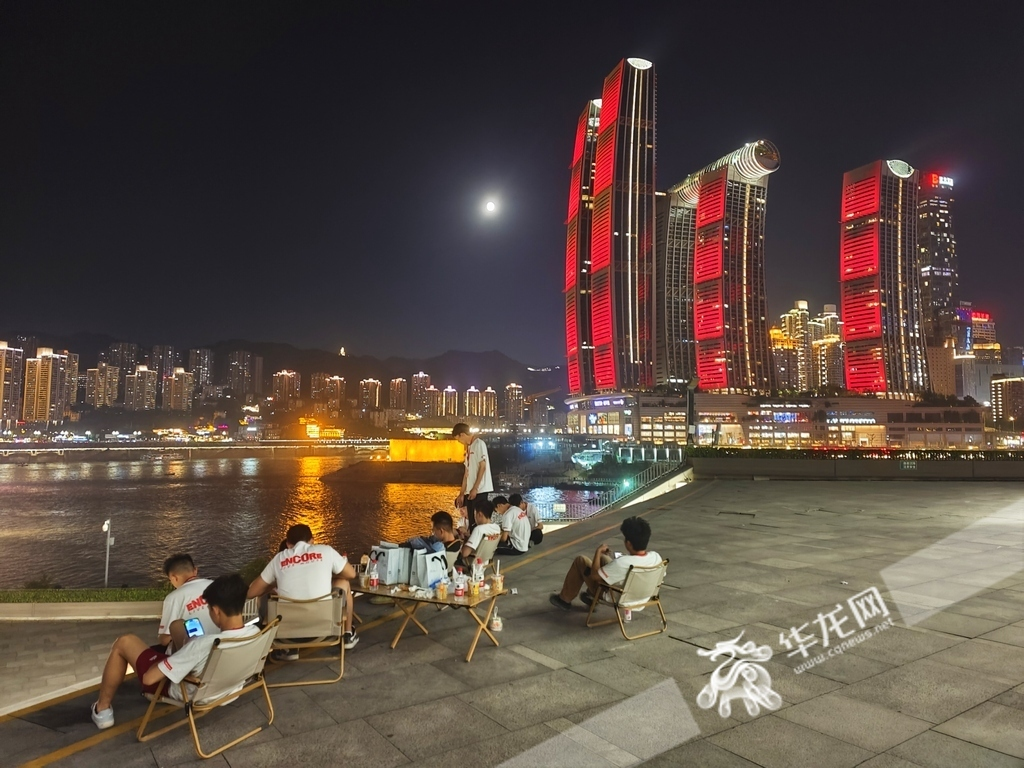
(599, 554)
(258, 588)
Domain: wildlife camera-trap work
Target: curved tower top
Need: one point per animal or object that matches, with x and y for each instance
(750, 162)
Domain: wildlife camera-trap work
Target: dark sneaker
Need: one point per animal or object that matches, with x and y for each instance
(586, 598)
(285, 654)
(349, 639)
(557, 601)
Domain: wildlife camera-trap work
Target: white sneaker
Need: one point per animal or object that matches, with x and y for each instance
(104, 719)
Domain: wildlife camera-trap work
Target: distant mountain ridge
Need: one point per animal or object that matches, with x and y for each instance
(453, 368)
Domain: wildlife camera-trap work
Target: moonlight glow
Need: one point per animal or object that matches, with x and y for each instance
(490, 206)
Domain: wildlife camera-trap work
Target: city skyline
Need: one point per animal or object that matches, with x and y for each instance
(162, 158)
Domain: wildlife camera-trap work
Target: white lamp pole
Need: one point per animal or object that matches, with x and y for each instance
(106, 567)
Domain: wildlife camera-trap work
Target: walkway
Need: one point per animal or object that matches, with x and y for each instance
(941, 688)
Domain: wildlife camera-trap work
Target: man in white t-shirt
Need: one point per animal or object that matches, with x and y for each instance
(185, 602)
(484, 530)
(515, 528)
(605, 568)
(225, 599)
(532, 514)
(476, 478)
(304, 570)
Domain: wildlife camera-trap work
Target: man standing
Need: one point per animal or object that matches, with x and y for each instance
(303, 571)
(515, 528)
(476, 479)
(532, 514)
(185, 602)
(605, 568)
(225, 597)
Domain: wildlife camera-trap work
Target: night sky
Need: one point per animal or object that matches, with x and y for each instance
(317, 174)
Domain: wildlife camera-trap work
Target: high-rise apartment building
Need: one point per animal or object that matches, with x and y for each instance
(257, 375)
(1007, 398)
(140, 389)
(579, 345)
(45, 387)
(880, 278)
(514, 403)
(826, 366)
(12, 363)
(715, 228)
(420, 383)
(287, 389)
(796, 326)
(472, 402)
(369, 394)
(200, 364)
(937, 260)
(335, 393)
(181, 390)
(489, 403)
(163, 359)
(450, 398)
(399, 394)
(240, 372)
(435, 401)
(101, 385)
(124, 356)
(675, 359)
(786, 359)
(71, 383)
(622, 231)
(318, 386)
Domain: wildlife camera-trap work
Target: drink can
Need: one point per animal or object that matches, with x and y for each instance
(627, 615)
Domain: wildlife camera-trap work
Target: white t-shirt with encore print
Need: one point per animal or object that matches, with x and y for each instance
(304, 572)
(186, 602)
(614, 573)
(489, 530)
(517, 523)
(476, 452)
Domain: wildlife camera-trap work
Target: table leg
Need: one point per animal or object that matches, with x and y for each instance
(482, 627)
(409, 616)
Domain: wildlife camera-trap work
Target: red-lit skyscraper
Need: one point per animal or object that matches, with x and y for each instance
(621, 266)
(718, 249)
(579, 349)
(879, 274)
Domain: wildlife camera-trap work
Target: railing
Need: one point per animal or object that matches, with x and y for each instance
(573, 511)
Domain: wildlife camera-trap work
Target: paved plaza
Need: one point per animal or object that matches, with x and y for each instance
(788, 564)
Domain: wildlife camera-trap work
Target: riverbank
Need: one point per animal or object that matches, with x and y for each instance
(419, 472)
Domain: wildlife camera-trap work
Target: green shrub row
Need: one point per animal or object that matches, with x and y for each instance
(118, 595)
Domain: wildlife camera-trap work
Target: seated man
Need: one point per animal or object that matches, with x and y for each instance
(515, 528)
(185, 602)
(225, 599)
(484, 529)
(442, 536)
(304, 571)
(532, 514)
(607, 569)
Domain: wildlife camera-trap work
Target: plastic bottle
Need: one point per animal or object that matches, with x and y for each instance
(478, 572)
(374, 575)
(627, 614)
(460, 583)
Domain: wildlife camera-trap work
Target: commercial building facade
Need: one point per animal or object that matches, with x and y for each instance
(939, 268)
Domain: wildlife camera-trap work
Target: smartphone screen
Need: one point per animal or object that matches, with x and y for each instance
(194, 627)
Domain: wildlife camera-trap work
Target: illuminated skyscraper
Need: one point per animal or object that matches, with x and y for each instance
(472, 402)
(795, 325)
(240, 372)
(724, 207)
(785, 359)
(879, 274)
(369, 394)
(181, 389)
(399, 394)
(940, 275)
(435, 401)
(514, 403)
(45, 386)
(162, 360)
(578, 345)
(140, 389)
(124, 356)
(489, 403)
(675, 359)
(420, 383)
(335, 393)
(71, 383)
(11, 369)
(451, 401)
(318, 386)
(287, 389)
(622, 231)
(200, 363)
(101, 385)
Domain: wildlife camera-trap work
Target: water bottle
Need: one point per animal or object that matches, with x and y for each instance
(627, 615)
(460, 583)
(478, 572)
(374, 575)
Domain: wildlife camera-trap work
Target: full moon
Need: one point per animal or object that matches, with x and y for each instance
(491, 207)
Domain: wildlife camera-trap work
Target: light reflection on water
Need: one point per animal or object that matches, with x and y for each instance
(226, 512)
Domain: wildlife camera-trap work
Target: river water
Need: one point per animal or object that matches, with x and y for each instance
(225, 512)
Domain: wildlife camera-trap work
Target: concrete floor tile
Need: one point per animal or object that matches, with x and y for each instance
(897, 645)
(992, 658)
(541, 698)
(776, 743)
(989, 725)
(928, 690)
(498, 666)
(351, 744)
(414, 730)
(620, 674)
(887, 760)
(849, 668)
(936, 750)
(871, 726)
(1011, 635)
(958, 624)
(532, 747)
(699, 753)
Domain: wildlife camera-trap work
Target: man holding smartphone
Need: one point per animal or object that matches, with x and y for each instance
(606, 568)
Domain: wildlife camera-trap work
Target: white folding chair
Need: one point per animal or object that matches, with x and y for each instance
(315, 623)
(486, 550)
(640, 589)
(234, 668)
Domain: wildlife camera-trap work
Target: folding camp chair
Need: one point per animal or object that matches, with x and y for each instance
(233, 662)
(315, 623)
(640, 589)
(486, 551)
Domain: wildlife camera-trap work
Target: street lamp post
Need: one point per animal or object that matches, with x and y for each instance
(110, 540)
